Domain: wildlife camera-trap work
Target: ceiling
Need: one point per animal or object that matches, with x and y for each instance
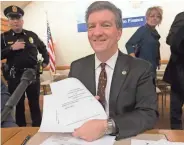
(21, 4)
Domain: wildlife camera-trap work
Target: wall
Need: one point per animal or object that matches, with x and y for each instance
(71, 45)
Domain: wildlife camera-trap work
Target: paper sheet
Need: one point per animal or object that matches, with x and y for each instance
(69, 106)
(69, 140)
(149, 142)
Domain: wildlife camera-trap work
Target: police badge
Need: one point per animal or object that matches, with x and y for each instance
(31, 40)
(14, 9)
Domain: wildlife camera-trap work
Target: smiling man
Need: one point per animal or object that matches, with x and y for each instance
(121, 83)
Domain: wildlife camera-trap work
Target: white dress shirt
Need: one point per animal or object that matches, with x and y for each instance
(110, 65)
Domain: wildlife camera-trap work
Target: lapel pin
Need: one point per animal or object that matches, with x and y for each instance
(124, 72)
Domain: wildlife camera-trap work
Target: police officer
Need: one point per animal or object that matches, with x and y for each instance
(20, 47)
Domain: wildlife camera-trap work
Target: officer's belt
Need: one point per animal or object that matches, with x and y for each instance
(21, 70)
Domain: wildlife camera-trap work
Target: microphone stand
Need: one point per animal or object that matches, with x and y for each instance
(27, 78)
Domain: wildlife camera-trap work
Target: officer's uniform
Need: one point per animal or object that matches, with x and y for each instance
(18, 61)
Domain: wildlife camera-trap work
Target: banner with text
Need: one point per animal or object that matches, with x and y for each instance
(133, 12)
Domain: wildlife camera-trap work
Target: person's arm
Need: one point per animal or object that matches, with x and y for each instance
(9, 122)
(177, 23)
(158, 57)
(134, 40)
(42, 49)
(177, 46)
(145, 115)
(70, 74)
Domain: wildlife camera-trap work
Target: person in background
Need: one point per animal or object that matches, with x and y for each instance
(177, 23)
(174, 73)
(121, 83)
(9, 122)
(20, 47)
(144, 43)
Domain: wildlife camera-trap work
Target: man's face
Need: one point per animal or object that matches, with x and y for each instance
(16, 23)
(103, 34)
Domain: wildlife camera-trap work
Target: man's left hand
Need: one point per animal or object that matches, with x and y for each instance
(91, 130)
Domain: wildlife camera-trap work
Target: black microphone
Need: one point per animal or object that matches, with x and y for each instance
(27, 78)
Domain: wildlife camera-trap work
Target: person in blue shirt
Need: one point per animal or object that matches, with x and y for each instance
(9, 122)
(144, 43)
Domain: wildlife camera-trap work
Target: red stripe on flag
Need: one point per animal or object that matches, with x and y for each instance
(51, 49)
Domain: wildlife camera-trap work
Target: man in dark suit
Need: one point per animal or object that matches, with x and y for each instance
(174, 75)
(176, 25)
(122, 84)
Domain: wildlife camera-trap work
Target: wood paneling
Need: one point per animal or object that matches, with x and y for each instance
(66, 67)
(61, 67)
(4, 25)
(164, 61)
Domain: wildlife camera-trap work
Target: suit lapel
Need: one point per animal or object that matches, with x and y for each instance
(119, 76)
(88, 75)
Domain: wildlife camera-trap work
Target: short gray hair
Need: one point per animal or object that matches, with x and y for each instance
(105, 5)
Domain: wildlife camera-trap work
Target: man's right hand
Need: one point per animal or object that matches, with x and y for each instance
(18, 45)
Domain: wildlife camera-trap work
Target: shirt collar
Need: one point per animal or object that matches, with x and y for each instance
(110, 62)
(13, 33)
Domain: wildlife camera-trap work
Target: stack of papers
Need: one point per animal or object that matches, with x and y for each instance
(68, 108)
(69, 140)
(149, 142)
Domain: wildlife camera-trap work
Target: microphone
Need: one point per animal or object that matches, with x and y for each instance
(27, 78)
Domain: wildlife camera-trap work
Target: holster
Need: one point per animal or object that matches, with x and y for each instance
(40, 67)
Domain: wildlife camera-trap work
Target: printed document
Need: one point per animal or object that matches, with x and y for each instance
(69, 140)
(69, 106)
(159, 142)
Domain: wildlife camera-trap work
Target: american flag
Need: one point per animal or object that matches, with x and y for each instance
(50, 49)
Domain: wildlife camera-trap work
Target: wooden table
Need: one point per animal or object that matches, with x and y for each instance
(15, 136)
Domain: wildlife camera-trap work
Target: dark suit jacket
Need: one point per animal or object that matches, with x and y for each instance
(174, 73)
(9, 122)
(177, 23)
(133, 101)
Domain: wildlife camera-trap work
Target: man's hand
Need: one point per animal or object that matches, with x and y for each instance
(18, 45)
(91, 130)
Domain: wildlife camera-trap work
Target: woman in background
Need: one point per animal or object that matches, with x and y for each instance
(144, 43)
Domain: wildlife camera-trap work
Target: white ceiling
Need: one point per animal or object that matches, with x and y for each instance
(21, 4)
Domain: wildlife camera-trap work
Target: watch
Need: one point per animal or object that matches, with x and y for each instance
(111, 127)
